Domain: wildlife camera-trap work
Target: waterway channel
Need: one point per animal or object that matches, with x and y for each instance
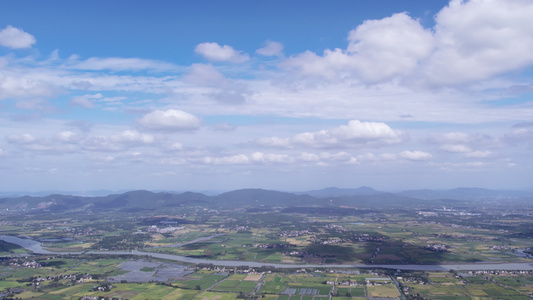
(35, 247)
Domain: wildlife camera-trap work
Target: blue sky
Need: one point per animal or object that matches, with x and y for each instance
(290, 95)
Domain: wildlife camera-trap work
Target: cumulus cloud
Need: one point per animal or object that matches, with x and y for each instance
(23, 86)
(355, 134)
(169, 120)
(270, 158)
(28, 142)
(117, 142)
(342, 157)
(271, 48)
(309, 157)
(388, 47)
(100, 143)
(456, 148)
(472, 40)
(480, 38)
(239, 159)
(415, 155)
(378, 50)
(69, 141)
(16, 38)
(133, 137)
(371, 157)
(215, 52)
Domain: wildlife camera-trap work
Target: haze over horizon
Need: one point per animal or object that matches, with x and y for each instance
(281, 95)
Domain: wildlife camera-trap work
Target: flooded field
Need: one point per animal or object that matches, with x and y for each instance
(145, 271)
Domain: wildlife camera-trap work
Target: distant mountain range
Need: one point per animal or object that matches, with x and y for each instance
(363, 197)
(338, 192)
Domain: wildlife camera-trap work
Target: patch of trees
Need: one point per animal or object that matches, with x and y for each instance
(125, 241)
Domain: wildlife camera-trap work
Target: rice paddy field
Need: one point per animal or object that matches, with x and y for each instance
(63, 277)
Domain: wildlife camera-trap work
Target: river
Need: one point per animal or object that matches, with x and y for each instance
(35, 247)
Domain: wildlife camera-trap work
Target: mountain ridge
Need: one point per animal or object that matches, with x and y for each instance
(363, 197)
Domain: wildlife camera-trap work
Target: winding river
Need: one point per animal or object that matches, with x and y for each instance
(35, 247)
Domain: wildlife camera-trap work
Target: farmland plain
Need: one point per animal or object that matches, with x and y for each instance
(332, 231)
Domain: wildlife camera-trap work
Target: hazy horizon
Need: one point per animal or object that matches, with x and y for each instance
(281, 95)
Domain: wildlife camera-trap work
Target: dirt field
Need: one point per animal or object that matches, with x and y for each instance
(253, 277)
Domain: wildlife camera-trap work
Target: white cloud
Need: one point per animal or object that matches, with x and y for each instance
(120, 64)
(461, 142)
(71, 142)
(337, 157)
(133, 137)
(238, 159)
(270, 158)
(118, 142)
(176, 146)
(100, 143)
(215, 52)
(355, 134)
(274, 142)
(171, 119)
(271, 48)
(392, 46)
(23, 85)
(415, 155)
(36, 104)
(113, 100)
(479, 154)
(221, 89)
(465, 143)
(84, 101)
(478, 39)
(378, 50)
(371, 157)
(310, 157)
(15, 38)
(88, 101)
(450, 137)
(472, 40)
(368, 132)
(223, 127)
(68, 137)
(456, 148)
(332, 65)
(519, 136)
(204, 74)
(24, 138)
